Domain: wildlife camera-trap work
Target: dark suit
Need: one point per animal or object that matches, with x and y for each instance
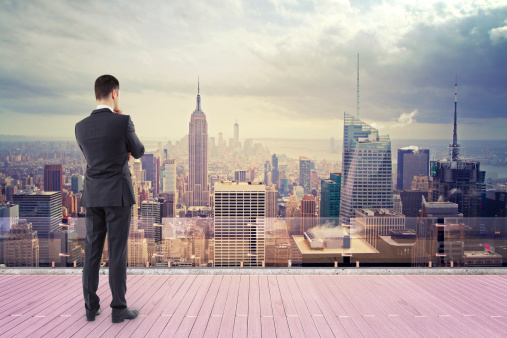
(105, 138)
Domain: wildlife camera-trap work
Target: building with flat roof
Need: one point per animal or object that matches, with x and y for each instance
(378, 222)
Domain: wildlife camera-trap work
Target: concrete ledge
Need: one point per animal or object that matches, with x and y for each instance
(266, 271)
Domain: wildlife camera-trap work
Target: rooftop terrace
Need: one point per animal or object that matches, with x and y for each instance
(255, 305)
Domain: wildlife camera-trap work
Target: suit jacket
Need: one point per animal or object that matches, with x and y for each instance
(105, 138)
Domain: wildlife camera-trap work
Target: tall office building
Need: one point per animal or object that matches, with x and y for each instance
(456, 179)
(240, 175)
(236, 134)
(367, 169)
(275, 174)
(150, 215)
(378, 222)
(412, 161)
(21, 246)
(150, 167)
(330, 197)
(305, 174)
(169, 176)
(44, 210)
(240, 223)
(267, 173)
(76, 182)
(53, 177)
(198, 188)
(271, 202)
(9, 215)
(308, 215)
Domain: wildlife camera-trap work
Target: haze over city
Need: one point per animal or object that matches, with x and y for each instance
(282, 69)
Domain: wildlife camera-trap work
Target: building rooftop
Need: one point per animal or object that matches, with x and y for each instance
(357, 246)
(252, 305)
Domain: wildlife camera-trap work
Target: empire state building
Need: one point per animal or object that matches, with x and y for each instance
(198, 188)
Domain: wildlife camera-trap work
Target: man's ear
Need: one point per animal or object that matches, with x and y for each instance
(114, 94)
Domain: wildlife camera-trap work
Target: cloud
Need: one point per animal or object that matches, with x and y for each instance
(498, 35)
(294, 60)
(406, 119)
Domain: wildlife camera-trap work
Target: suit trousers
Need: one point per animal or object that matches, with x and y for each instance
(115, 221)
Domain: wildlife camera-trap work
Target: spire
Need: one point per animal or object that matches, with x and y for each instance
(455, 146)
(357, 84)
(198, 108)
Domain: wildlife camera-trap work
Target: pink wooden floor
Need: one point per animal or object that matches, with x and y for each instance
(255, 306)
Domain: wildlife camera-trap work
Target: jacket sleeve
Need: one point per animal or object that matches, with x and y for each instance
(134, 145)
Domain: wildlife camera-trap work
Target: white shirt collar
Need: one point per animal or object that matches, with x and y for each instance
(101, 106)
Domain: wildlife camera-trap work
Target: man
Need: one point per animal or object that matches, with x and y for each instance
(107, 139)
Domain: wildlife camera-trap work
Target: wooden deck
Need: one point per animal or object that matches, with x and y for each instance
(255, 306)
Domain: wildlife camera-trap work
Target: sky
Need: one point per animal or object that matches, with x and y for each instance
(282, 69)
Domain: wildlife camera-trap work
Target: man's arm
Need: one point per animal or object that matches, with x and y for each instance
(134, 145)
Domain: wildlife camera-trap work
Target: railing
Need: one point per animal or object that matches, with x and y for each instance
(266, 242)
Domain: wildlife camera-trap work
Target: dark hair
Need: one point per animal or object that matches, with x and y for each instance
(104, 85)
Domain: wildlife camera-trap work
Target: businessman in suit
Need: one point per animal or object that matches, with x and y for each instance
(107, 139)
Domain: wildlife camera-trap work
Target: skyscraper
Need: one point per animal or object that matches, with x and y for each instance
(456, 179)
(53, 177)
(198, 188)
(150, 166)
(44, 210)
(308, 216)
(240, 175)
(76, 183)
(169, 178)
(412, 161)
(367, 169)
(275, 174)
(236, 134)
(240, 223)
(330, 196)
(305, 174)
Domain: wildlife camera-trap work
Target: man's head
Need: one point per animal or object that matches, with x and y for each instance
(107, 91)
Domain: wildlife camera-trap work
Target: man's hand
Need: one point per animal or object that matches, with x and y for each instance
(128, 156)
(118, 111)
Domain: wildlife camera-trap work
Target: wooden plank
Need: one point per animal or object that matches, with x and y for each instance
(180, 301)
(268, 326)
(201, 321)
(280, 320)
(229, 315)
(176, 289)
(77, 313)
(369, 296)
(213, 326)
(254, 308)
(136, 293)
(334, 325)
(264, 297)
(241, 320)
(304, 315)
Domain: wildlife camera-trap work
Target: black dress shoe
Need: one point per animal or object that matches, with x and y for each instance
(120, 314)
(90, 315)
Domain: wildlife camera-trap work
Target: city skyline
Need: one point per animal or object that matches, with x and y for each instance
(273, 67)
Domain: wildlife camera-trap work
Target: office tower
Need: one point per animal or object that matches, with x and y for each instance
(150, 215)
(169, 177)
(252, 175)
(9, 215)
(138, 172)
(378, 222)
(456, 179)
(240, 175)
(53, 177)
(76, 182)
(239, 220)
(308, 215)
(267, 172)
(150, 168)
(44, 210)
(198, 189)
(440, 235)
(21, 246)
(167, 205)
(412, 161)
(420, 183)
(367, 169)
(236, 134)
(330, 197)
(305, 174)
(397, 203)
(221, 142)
(271, 202)
(137, 249)
(10, 191)
(275, 174)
